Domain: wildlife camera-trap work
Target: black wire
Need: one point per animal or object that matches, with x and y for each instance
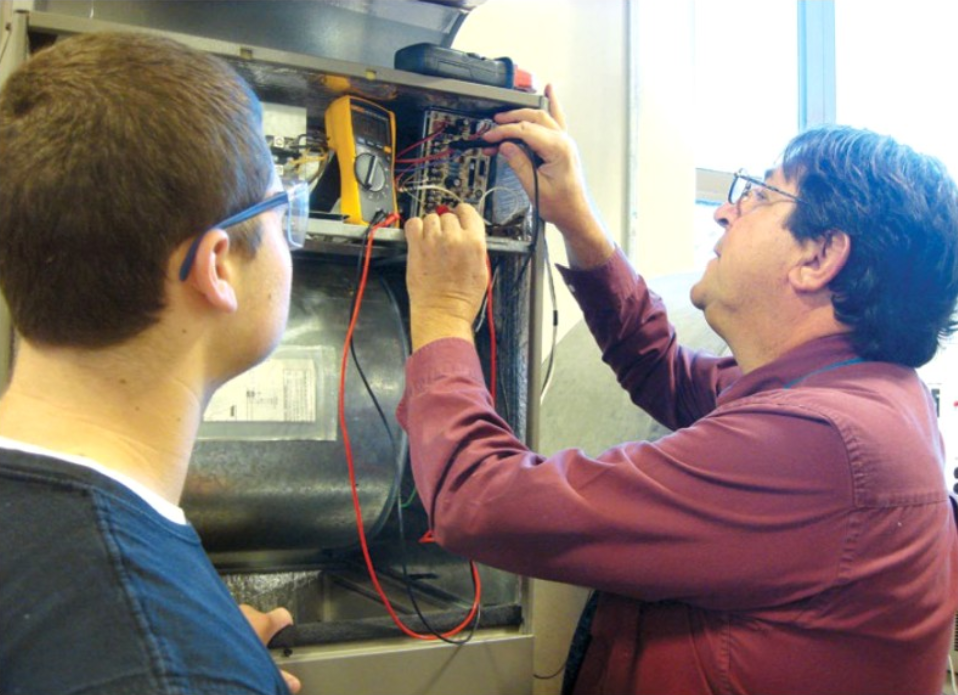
(377, 218)
(552, 675)
(555, 313)
(407, 582)
(537, 228)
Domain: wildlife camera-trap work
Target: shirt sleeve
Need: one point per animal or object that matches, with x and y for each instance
(674, 384)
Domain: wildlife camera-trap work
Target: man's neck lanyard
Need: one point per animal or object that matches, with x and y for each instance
(826, 368)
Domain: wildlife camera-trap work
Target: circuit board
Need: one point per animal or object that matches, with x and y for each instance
(448, 170)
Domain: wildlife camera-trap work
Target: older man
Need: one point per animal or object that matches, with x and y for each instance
(793, 535)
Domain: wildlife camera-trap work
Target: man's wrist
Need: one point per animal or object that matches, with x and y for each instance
(587, 244)
(430, 328)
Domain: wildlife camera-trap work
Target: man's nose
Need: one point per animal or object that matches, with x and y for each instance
(725, 213)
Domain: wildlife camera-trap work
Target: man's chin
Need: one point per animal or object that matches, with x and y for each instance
(697, 296)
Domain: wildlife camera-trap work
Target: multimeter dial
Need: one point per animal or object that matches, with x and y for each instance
(370, 171)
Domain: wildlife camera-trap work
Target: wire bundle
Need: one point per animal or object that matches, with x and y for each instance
(472, 619)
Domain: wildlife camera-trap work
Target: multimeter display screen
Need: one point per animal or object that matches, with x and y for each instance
(375, 131)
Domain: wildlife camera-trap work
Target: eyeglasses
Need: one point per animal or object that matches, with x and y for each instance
(295, 220)
(743, 185)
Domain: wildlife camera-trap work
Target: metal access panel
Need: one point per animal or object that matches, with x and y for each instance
(367, 31)
(268, 489)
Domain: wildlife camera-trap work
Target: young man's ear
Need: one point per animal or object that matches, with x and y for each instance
(211, 274)
(821, 260)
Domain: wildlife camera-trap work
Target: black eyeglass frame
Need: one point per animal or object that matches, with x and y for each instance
(295, 197)
(742, 175)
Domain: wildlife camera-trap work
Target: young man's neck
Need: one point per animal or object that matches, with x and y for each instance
(138, 421)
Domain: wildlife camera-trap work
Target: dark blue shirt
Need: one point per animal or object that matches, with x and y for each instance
(99, 593)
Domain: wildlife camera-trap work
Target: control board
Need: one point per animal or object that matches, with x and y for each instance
(450, 167)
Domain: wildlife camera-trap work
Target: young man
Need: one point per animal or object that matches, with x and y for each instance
(122, 155)
(793, 535)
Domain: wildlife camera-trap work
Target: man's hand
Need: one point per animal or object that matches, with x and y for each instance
(266, 625)
(446, 274)
(563, 198)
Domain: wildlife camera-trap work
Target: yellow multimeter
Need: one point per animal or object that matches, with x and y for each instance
(362, 134)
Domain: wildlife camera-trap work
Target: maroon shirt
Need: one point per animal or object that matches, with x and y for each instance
(793, 535)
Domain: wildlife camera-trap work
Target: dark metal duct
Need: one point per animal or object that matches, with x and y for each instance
(268, 484)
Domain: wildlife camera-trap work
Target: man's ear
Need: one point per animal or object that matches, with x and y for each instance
(211, 274)
(820, 261)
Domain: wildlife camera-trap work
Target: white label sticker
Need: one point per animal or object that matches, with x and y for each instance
(282, 389)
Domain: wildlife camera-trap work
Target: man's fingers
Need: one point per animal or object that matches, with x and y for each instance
(267, 624)
(292, 682)
(534, 116)
(279, 618)
(431, 225)
(555, 110)
(413, 227)
(469, 219)
(431, 233)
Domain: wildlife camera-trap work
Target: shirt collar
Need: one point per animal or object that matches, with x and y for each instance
(791, 368)
(162, 506)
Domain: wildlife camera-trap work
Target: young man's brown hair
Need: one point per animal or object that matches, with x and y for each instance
(117, 169)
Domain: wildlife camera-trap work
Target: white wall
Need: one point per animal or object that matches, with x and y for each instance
(579, 46)
(662, 162)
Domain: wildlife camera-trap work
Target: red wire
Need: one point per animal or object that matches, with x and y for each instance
(444, 154)
(426, 139)
(347, 445)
